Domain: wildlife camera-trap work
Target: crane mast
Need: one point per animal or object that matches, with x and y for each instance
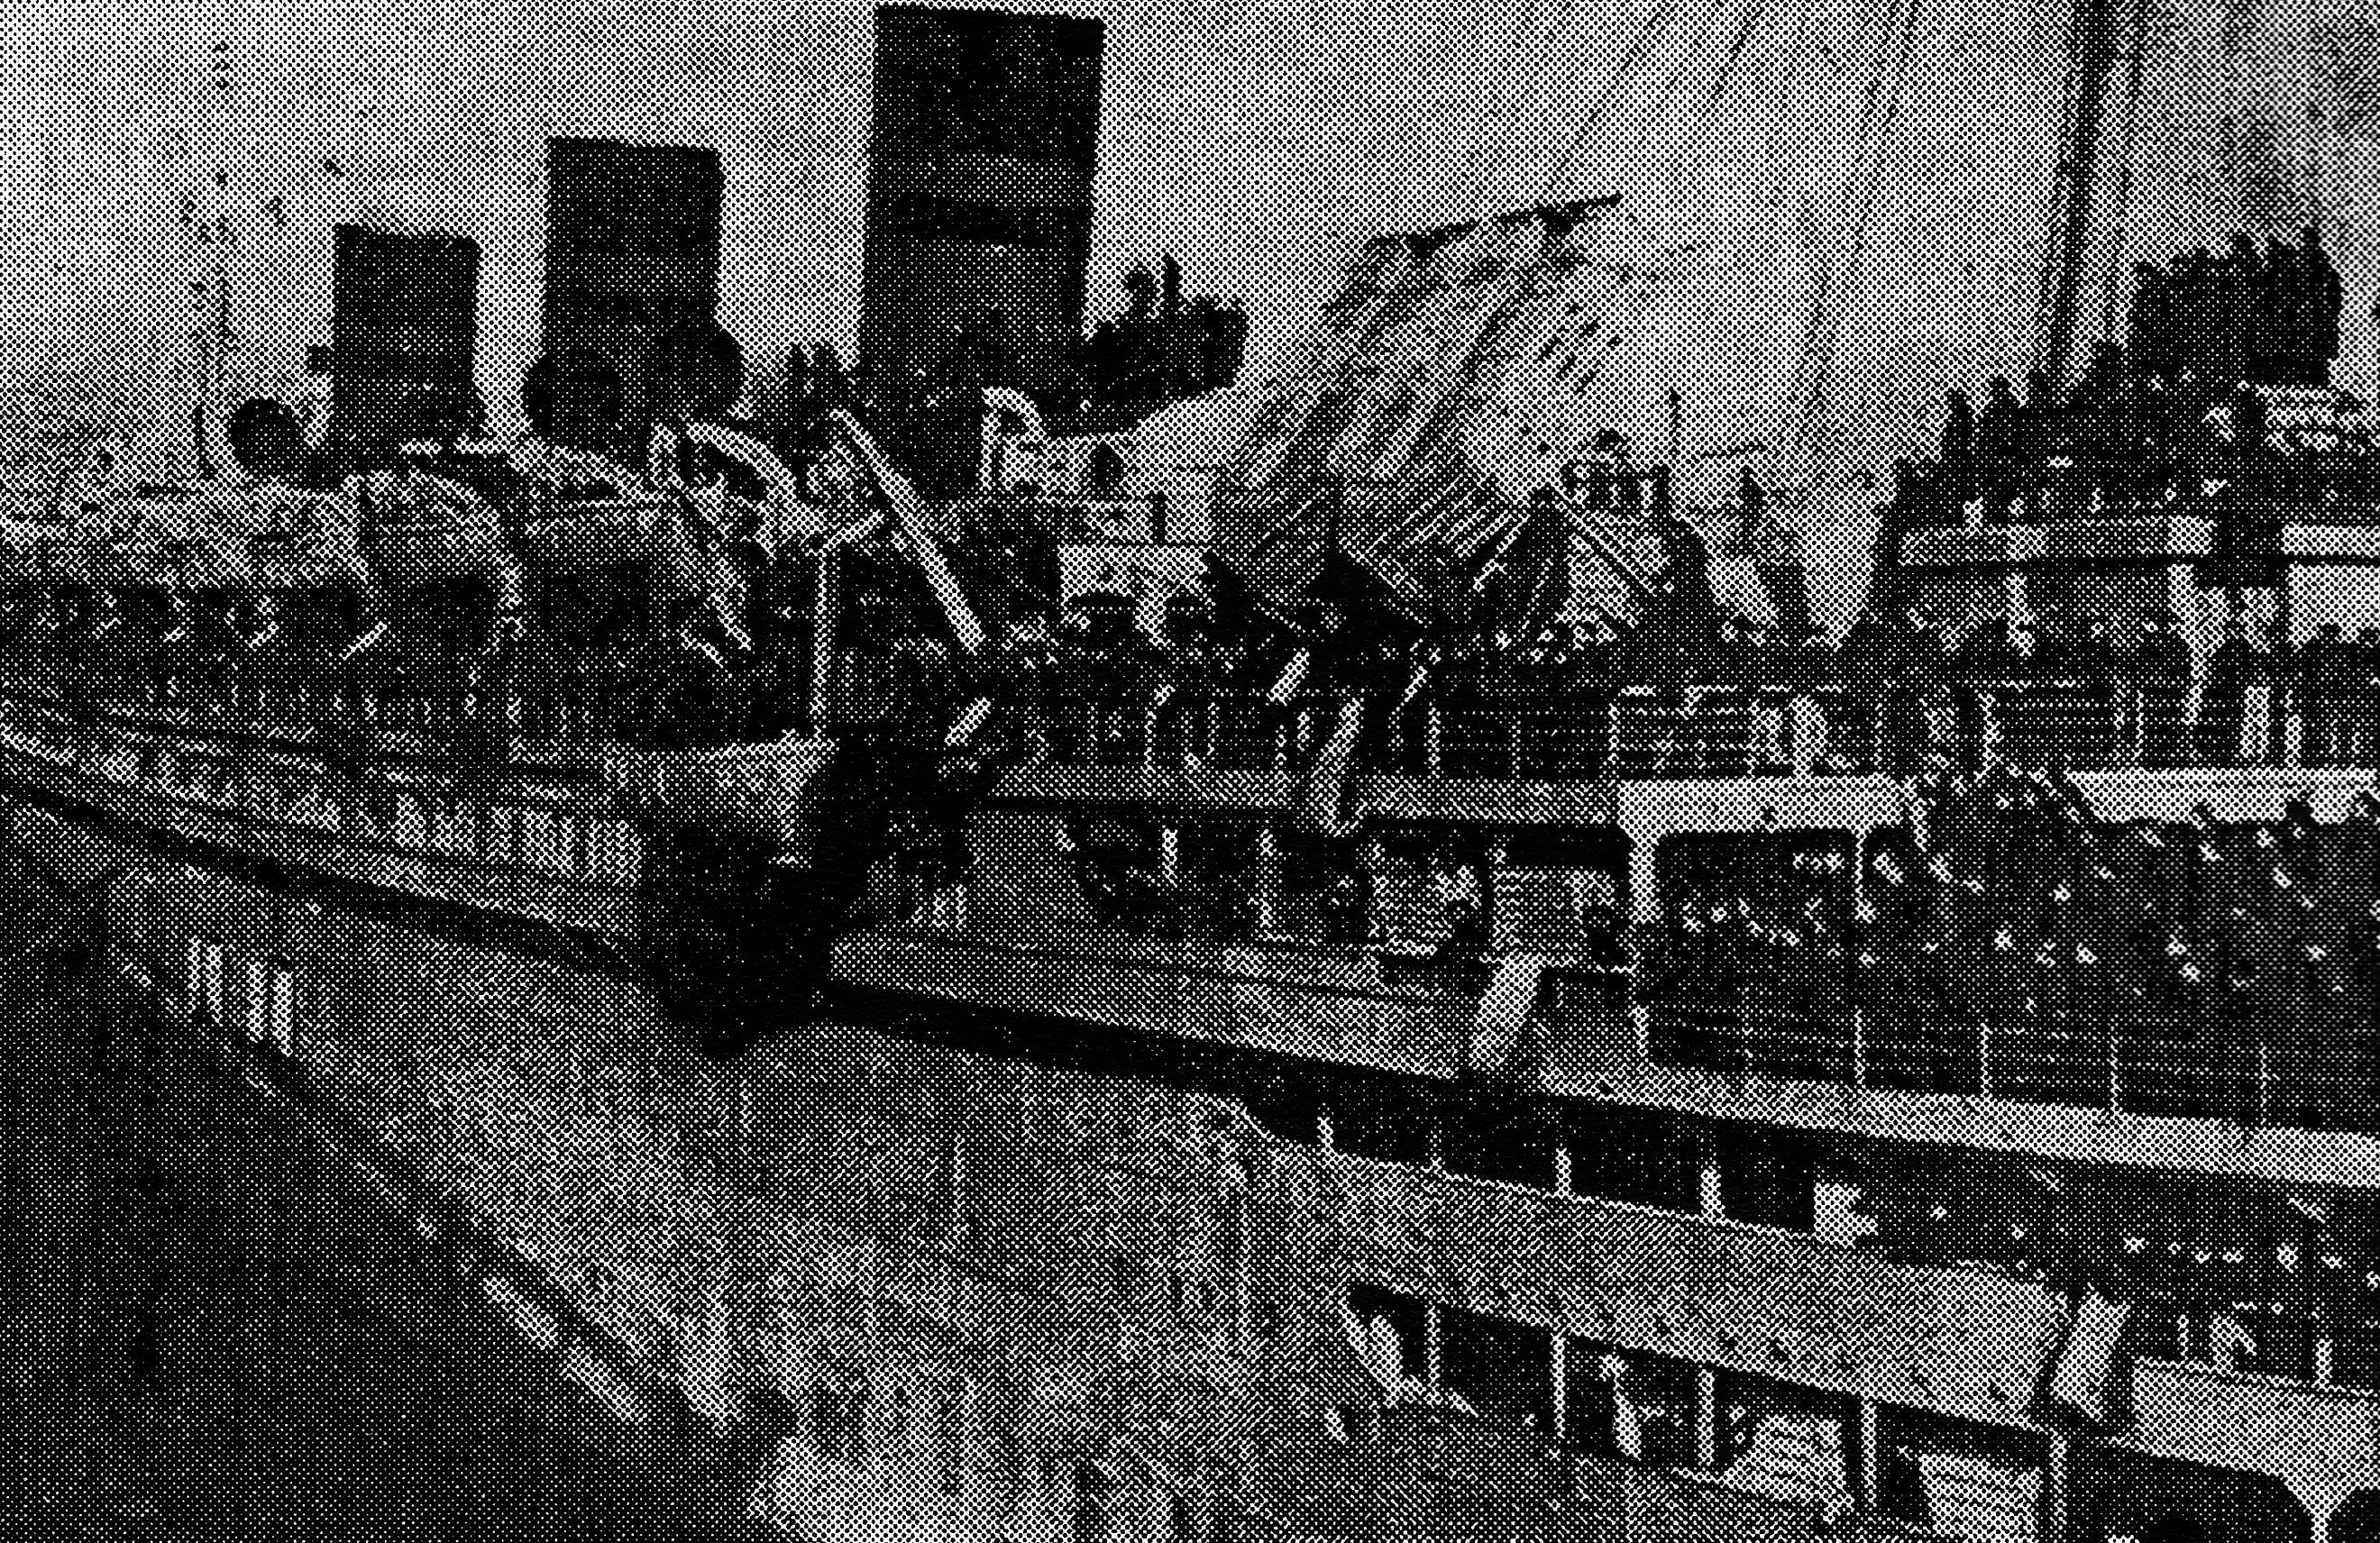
(2092, 51)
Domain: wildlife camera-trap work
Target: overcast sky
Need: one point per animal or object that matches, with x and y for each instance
(1902, 145)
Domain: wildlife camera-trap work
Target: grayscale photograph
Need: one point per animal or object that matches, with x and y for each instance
(1190, 771)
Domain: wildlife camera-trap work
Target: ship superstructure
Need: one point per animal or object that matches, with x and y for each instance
(1423, 991)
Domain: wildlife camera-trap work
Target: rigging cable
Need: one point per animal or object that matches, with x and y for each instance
(1883, 119)
(1630, 62)
(1754, 15)
(1638, 153)
(2092, 55)
(1818, 245)
(2121, 247)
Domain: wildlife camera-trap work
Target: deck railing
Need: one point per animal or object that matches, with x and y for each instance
(1720, 729)
(1437, 1473)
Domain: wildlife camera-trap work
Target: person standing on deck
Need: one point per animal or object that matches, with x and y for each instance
(264, 505)
(1958, 445)
(2324, 298)
(2000, 447)
(2090, 664)
(2322, 686)
(2160, 692)
(2237, 664)
(1866, 660)
(2361, 703)
(2152, 340)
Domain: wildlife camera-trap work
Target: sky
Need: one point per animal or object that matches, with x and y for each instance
(1888, 158)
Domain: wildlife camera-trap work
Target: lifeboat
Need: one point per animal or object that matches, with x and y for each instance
(293, 540)
(417, 531)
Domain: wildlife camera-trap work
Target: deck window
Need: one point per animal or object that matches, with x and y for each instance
(458, 832)
(409, 825)
(281, 1017)
(1643, 1408)
(203, 991)
(1394, 1329)
(1502, 1369)
(258, 1004)
(502, 834)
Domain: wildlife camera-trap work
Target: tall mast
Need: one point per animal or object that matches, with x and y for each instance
(211, 334)
(2136, 48)
(2091, 57)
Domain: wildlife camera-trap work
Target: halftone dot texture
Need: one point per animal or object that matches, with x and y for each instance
(1630, 1075)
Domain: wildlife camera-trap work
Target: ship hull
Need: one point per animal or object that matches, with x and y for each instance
(1014, 1263)
(839, 1211)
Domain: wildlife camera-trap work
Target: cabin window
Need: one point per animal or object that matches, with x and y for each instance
(1429, 891)
(1391, 1332)
(1962, 1479)
(1385, 1120)
(410, 826)
(1119, 864)
(203, 991)
(1563, 898)
(1634, 1406)
(259, 1005)
(1502, 1370)
(1769, 1178)
(1214, 874)
(282, 1009)
(1791, 1436)
(1323, 894)
(1634, 1157)
(1504, 1145)
(502, 834)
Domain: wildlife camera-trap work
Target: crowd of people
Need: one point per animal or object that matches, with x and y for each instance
(2009, 941)
(1161, 349)
(2077, 694)
(2269, 315)
(1113, 675)
(2209, 339)
(1895, 694)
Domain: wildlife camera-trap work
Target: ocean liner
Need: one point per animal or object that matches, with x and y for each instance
(1389, 976)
